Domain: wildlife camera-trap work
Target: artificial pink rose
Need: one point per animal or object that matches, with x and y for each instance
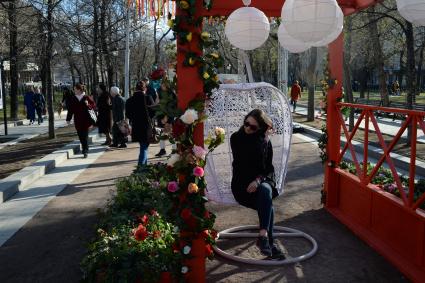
(173, 186)
(199, 152)
(198, 171)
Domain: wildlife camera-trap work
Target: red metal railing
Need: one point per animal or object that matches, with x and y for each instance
(413, 119)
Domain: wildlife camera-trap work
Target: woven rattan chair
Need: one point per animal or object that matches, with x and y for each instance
(226, 109)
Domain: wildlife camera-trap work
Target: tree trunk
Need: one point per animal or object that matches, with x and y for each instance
(419, 72)
(311, 81)
(14, 60)
(95, 78)
(379, 57)
(49, 69)
(410, 68)
(347, 72)
(364, 75)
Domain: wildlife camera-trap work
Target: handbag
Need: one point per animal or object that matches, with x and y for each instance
(155, 133)
(92, 116)
(124, 127)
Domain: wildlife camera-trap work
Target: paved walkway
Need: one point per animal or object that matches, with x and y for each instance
(26, 131)
(50, 246)
(386, 125)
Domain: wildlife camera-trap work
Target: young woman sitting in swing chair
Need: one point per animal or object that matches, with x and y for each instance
(253, 182)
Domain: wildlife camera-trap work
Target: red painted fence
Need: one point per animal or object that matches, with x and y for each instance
(394, 226)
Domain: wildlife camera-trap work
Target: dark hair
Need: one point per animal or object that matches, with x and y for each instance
(264, 122)
(103, 89)
(80, 87)
(140, 86)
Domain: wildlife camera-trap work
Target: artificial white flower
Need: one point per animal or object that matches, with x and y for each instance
(185, 269)
(190, 116)
(219, 131)
(173, 159)
(186, 250)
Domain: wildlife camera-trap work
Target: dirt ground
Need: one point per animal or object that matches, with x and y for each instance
(15, 157)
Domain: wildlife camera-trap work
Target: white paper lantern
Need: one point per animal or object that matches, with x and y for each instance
(247, 28)
(310, 20)
(413, 11)
(289, 43)
(337, 31)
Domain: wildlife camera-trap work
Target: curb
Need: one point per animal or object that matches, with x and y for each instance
(12, 184)
(401, 162)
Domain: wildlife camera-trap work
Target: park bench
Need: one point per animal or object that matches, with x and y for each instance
(402, 105)
(365, 101)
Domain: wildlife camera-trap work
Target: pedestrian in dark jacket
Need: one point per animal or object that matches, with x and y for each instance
(136, 110)
(118, 108)
(39, 104)
(78, 107)
(104, 108)
(253, 182)
(29, 104)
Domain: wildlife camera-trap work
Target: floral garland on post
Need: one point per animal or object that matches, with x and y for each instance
(187, 164)
(327, 83)
(208, 62)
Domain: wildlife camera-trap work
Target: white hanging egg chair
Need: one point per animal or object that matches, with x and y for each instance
(226, 109)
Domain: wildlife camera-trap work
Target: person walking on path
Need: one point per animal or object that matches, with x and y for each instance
(118, 108)
(104, 108)
(39, 104)
(29, 105)
(295, 94)
(253, 182)
(136, 110)
(78, 107)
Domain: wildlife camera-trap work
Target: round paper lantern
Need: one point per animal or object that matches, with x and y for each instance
(247, 28)
(289, 43)
(337, 31)
(310, 20)
(413, 11)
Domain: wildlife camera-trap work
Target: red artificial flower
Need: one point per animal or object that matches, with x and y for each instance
(154, 213)
(207, 214)
(157, 234)
(144, 219)
(176, 248)
(186, 213)
(205, 233)
(157, 74)
(214, 234)
(140, 233)
(178, 129)
(208, 250)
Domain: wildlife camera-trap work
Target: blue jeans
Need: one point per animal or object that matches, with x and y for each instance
(143, 156)
(265, 208)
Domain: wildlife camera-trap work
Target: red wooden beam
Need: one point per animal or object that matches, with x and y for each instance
(273, 8)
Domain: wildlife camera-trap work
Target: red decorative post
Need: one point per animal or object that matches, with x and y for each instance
(333, 124)
(189, 86)
(189, 83)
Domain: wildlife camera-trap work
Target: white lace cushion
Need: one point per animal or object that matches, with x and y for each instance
(227, 109)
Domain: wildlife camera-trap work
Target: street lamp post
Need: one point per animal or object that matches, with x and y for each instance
(3, 95)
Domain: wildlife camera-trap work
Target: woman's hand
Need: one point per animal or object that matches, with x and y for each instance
(252, 187)
(87, 103)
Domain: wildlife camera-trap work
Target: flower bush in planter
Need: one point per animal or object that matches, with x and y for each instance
(384, 179)
(148, 229)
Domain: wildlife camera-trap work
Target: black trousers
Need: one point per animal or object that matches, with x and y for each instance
(84, 140)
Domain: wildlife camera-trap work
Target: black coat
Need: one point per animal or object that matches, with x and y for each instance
(104, 108)
(136, 111)
(252, 158)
